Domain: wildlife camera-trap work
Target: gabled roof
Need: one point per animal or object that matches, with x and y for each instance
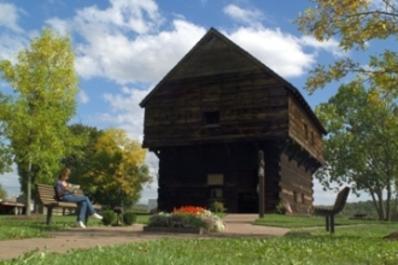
(215, 33)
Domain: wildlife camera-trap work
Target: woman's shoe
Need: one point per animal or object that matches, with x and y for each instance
(81, 224)
(96, 215)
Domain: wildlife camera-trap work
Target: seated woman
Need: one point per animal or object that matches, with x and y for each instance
(64, 192)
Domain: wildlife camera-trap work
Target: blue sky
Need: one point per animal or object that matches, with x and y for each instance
(124, 47)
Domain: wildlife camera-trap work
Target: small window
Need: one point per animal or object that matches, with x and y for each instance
(215, 179)
(305, 127)
(211, 117)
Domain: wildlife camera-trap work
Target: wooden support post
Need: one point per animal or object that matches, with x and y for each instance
(49, 214)
(261, 183)
(332, 224)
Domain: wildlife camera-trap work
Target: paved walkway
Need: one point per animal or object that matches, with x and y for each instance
(61, 242)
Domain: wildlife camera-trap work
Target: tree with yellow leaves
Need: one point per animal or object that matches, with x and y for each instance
(355, 23)
(117, 171)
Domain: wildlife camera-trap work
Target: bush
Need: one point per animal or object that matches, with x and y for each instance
(187, 220)
(129, 218)
(177, 220)
(109, 217)
(159, 220)
(281, 208)
(217, 207)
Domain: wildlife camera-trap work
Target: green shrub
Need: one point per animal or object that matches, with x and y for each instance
(109, 217)
(186, 220)
(129, 218)
(159, 220)
(176, 220)
(217, 207)
(280, 208)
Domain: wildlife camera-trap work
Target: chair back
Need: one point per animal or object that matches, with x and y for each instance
(341, 200)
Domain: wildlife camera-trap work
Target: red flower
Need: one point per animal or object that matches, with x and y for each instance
(194, 210)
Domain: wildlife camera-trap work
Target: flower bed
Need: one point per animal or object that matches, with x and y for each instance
(185, 219)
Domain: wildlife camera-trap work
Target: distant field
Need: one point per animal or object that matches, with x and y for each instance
(307, 221)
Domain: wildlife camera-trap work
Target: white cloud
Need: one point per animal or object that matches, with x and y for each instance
(124, 42)
(83, 97)
(282, 52)
(9, 15)
(145, 58)
(13, 38)
(10, 45)
(61, 26)
(246, 16)
(126, 112)
(330, 45)
(130, 15)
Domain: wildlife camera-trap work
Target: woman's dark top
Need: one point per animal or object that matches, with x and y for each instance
(60, 190)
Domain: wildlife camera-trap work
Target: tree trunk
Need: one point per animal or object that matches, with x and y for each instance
(29, 188)
(379, 194)
(372, 194)
(388, 203)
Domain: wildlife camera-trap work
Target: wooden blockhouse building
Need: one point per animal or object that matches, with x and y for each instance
(207, 119)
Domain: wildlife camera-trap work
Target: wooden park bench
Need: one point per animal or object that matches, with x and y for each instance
(12, 206)
(49, 200)
(330, 212)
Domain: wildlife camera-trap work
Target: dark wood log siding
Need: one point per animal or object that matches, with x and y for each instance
(298, 119)
(183, 176)
(295, 180)
(256, 110)
(250, 105)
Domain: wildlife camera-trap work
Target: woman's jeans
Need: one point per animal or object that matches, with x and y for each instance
(85, 207)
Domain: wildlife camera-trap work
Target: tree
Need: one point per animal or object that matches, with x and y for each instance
(3, 193)
(44, 86)
(362, 146)
(111, 167)
(81, 159)
(354, 23)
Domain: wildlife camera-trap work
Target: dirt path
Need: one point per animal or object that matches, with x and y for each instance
(61, 242)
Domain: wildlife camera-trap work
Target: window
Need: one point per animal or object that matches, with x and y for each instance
(215, 179)
(211, 117)
(302, 198)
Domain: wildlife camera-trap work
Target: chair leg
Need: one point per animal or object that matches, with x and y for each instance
(327, 222)
(332, 224)
(49, 214)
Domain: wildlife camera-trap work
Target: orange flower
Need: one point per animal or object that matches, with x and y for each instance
(194, 210)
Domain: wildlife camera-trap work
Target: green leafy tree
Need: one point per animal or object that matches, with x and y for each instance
(81, 159)
(354, 24)
(3, 193)
(116, 172)
(5, 152)
(362, 145)
(44, 84)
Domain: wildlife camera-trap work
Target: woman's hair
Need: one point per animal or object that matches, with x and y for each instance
(64, 173)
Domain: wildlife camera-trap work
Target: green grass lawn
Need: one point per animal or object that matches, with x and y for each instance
(356, 243)
(307, 221)
(18, 227)
(350, 246)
